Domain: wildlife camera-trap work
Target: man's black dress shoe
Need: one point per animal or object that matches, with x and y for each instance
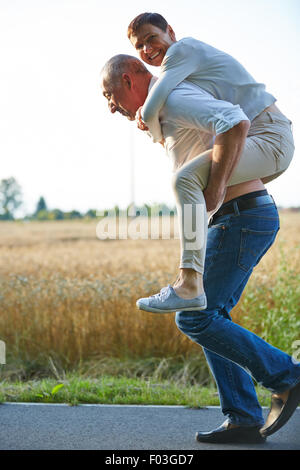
(226, 434)
(281, 411)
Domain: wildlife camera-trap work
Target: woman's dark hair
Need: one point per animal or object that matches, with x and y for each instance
(145, 18)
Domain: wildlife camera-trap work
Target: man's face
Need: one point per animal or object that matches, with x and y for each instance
(119, 99)
(152, 43)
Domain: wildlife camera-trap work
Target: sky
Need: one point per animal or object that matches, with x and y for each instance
(57, 137)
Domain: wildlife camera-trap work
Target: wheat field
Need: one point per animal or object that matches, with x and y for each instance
(67, 295)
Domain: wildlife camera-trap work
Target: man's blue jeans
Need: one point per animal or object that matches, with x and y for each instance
(235, 244)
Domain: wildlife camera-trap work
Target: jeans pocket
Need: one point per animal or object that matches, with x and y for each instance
(215, 238)
(253, 246)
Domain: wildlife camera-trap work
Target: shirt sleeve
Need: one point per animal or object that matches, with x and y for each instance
(192, 108)
(178, 64)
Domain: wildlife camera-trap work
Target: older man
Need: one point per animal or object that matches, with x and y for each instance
(239, 234)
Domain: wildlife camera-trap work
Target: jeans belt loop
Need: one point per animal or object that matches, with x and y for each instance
(236, 208)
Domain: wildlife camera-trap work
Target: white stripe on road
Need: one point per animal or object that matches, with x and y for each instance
(111, 405)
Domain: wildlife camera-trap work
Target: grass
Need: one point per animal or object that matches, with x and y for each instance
(75, 390)
(106, 390)
(67, 306)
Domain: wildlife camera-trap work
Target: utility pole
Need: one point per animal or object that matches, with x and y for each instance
(132, 169)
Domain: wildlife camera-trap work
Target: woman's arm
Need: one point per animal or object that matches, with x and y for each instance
(178, 64)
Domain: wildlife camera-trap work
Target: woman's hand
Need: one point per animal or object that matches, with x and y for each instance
(140, 124)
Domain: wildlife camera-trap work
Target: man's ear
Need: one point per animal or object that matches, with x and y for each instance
(126, 80)
(171, 32)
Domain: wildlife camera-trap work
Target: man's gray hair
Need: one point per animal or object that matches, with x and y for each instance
(119, 64)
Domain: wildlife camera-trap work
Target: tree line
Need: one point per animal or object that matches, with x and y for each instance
(11, 201)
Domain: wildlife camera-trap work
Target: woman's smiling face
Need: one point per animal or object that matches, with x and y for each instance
(152, 43)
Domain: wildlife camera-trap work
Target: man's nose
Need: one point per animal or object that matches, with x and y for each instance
(147, 48)
(112, 107)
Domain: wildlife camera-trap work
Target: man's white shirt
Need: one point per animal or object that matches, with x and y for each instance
(191, 118)
(214, 71)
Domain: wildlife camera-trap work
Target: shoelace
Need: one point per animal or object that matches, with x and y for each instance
(163, 293)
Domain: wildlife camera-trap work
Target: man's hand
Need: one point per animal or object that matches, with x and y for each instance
(213, 196)
(140, 124)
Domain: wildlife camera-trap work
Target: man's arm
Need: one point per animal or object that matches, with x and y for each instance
(181, 60)
(226, 153)
(190, 107)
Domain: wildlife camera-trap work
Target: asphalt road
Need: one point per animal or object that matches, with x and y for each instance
(122, 427)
